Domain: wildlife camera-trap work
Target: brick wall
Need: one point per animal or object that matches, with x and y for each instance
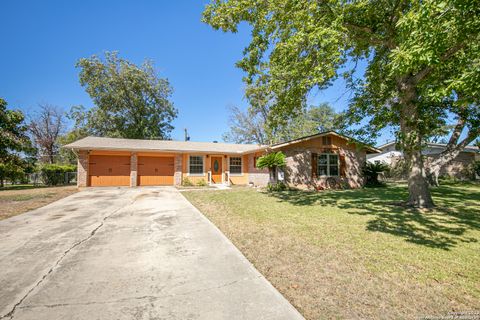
(178, 170)
(82, 169)
(256, 176)
(133, 170)
(298, 172)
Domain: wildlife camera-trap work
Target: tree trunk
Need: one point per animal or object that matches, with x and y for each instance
(272, 175)
(418, 190)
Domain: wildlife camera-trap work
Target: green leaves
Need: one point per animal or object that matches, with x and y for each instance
(130, 101)
(298, 46)
(13, 132)
(271, 160)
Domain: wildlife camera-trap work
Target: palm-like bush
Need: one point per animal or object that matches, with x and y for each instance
(371, 172)
(272, 161)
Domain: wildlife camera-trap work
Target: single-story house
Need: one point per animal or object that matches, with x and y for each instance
(458, 167)
(312, 161)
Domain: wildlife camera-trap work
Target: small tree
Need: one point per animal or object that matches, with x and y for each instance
(46, 127)
(272, 161)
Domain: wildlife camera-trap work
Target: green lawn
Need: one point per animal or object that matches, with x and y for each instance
(358, 253)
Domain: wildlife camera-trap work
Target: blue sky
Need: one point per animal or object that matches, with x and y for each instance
(42, 40)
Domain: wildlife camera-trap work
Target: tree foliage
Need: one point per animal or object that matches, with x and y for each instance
(421, 58)
(130, 101)
(14, 143)
(246, 127)
(251, 126)
(13, 132)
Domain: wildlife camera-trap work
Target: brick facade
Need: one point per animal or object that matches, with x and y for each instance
(256, 176)
(178, 170)
(298, 172)
(133, 170)
(82, 169)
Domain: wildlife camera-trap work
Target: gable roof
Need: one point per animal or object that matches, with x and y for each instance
(117, 144)
(368, 148)
(433, 145)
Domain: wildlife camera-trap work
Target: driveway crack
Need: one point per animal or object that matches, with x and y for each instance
(149, 297)
(11, 313)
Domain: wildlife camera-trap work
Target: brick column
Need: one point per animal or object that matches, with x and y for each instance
(133, 170)
(178, 169)
(82, 169)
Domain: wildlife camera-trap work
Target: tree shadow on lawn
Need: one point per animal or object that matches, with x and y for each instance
(442, 228)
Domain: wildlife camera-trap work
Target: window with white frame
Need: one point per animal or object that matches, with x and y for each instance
(235, 165)
(327, 164)
(195, 165)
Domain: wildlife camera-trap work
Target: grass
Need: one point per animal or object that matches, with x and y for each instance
(14, 201)
(357, 253)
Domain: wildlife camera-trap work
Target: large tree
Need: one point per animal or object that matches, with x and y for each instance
(246, 127)
(420, 57)
(46, 126)
(251, 126)
(14, 141)
(130, 101)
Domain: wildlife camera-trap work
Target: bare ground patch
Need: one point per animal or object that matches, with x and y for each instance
(14, 202)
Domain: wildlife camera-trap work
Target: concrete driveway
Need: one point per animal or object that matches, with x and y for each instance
(127, 253)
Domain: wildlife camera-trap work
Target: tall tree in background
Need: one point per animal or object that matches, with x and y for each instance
(251, 126)
(46, 127)
(246, 127)
(419, 55)
(13, 140)
(130, 101)
(312, 120)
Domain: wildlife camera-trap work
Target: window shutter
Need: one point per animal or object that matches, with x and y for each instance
(343, 165)
(314, 165)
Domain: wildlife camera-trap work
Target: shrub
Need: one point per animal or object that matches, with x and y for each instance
(54, 174)
(476, 167)
(187, 182)
(279, 186)
(371, 172)
(202, 183)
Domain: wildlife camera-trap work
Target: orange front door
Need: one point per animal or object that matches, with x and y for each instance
(216, 169)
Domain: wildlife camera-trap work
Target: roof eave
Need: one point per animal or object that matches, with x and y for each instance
(161, 150)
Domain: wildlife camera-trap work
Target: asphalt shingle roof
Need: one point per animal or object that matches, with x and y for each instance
(98, 143)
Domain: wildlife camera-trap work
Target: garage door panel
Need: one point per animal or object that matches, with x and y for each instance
(155, 180)
(109, 170)
(155, 171)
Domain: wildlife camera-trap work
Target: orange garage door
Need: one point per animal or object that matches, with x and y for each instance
(155, 171)
(109, 171)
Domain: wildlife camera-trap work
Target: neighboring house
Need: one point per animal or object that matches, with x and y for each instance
(128, 162)
(459, 167)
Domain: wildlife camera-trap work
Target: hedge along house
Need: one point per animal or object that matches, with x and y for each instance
(312, 161)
